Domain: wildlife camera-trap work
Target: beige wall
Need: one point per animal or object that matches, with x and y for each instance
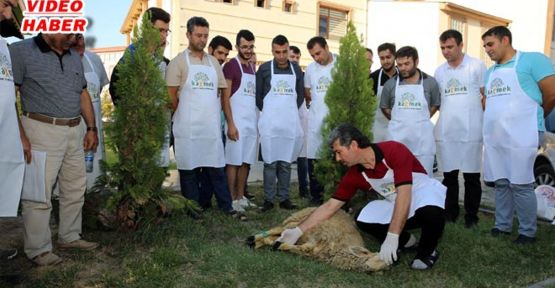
(265, 23)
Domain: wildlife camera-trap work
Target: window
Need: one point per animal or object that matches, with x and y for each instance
(332, 22)
(260, 3)
(458, 24)
(288, 6)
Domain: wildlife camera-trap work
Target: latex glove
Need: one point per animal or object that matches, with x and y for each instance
(290, 236)
(388, 251)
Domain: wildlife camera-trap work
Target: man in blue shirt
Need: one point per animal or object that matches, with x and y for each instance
(520, 92)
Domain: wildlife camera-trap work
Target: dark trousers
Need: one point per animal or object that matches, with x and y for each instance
(316, 190)
(431, 221)
(201, 183)
(472, 195)
(302, 175)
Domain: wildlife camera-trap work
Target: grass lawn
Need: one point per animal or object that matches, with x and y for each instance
(182, 252)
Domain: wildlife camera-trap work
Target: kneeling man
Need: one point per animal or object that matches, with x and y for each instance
(411, 199)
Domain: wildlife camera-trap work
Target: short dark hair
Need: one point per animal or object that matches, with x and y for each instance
(346, 133)
(499, 32)
(196, 21)
(158, 14)
(295, 49)
(280, 40)
(387, 46)
(407, 51)
(245, 34)
(316, 40)
(370, 50)
(451, 33)
(220, 41)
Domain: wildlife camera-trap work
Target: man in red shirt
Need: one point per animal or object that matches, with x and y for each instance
(411, 199)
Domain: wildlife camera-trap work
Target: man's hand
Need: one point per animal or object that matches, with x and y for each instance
(232, 132)
(91, 140)
(290, 236)
(26, 148)
(388, 251)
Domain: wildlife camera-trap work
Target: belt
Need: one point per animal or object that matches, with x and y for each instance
(71, 122)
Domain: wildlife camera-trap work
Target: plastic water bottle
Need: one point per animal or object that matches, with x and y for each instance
(89, 157)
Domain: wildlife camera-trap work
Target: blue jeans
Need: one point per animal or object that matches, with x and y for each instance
(201, 183)
(282, 171)
(520, 197)
(302, 175)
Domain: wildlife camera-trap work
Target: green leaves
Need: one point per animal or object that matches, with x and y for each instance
(350, 99)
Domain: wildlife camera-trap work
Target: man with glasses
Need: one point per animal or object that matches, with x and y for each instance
(241, 114)
(54, 97)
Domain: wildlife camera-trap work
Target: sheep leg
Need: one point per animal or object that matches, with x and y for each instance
(264, 238)
(305, 249)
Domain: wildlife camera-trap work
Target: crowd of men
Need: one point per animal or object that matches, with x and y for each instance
(228, 114)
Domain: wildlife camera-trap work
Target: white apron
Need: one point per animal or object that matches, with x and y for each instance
(93, 87)
(379, 127)
(458, 131)
(320, 82)
(281, 134)
(164, 160)
(12, 165)
(196, 122)
(426, 191)
(410, 123)
(243, 106)
(510, 128)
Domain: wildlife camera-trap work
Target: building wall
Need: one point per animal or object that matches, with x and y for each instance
(109, 57)
(419, 24)
(227, 19)
(405, 24)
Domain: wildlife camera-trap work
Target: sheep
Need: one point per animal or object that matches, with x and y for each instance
(335, 241)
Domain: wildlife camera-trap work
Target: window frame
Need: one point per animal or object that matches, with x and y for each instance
(348, 13)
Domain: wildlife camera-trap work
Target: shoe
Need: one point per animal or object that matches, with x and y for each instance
(8, 254)
(286, 204)
(248, 195)
(426, 262)
(237, 215)
(236, 204)
(78, 244)
(496, 232)
(267, 206)
(46, 259)
(246, 203)
(524, 240)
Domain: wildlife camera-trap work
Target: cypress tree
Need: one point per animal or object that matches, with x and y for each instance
(350, 99)
(140, 122)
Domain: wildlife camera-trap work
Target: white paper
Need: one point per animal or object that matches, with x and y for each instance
(34, 180)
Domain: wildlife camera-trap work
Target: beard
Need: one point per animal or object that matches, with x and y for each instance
(410, 73)
(244, 56)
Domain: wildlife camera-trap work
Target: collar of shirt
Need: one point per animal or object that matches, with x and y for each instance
(509, 63)
(44, 47)
(378, 155)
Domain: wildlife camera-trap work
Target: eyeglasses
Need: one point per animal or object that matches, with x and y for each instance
(245, 47)
(162, 30)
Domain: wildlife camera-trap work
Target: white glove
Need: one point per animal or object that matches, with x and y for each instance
(290, 236)
(388, 251)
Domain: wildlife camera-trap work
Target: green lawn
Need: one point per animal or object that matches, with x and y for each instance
(182, 252)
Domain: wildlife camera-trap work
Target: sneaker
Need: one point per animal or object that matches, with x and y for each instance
(524, 240)
(237, 215)
(286, 204)
(78, 244)
(496, 232)
(246, 203)
(46, 259)
(236, 204)
(248, 195)
(267, 206)
(8, 254)
(426, 262)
